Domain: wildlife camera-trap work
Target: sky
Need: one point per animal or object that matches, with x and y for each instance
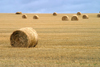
(50, 6)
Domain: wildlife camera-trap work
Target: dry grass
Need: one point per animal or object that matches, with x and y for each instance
(70, 44)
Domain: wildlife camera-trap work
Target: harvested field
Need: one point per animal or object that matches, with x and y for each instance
(60, 44)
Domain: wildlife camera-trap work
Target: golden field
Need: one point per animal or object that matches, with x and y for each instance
(61, 43)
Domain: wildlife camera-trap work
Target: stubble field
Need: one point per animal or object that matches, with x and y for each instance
(61, 43)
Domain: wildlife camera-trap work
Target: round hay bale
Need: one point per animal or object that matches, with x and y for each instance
(36, 17)
(18, 12)
(65, 18)
(85, 17)
(78, 13)
(24, 16)
(74, 18)
(24, 37)
(54, 14)
(98, 15)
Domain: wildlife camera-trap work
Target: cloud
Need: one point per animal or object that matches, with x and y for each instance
(49, 6)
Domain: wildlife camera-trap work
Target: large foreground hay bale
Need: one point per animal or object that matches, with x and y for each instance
(98, 15)
(78, 13)
(18, 12)
(74, 18)
(65, 18)
(24, 16)
(54, 14)
(24, 37)
(85, 17)
(36, 17)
